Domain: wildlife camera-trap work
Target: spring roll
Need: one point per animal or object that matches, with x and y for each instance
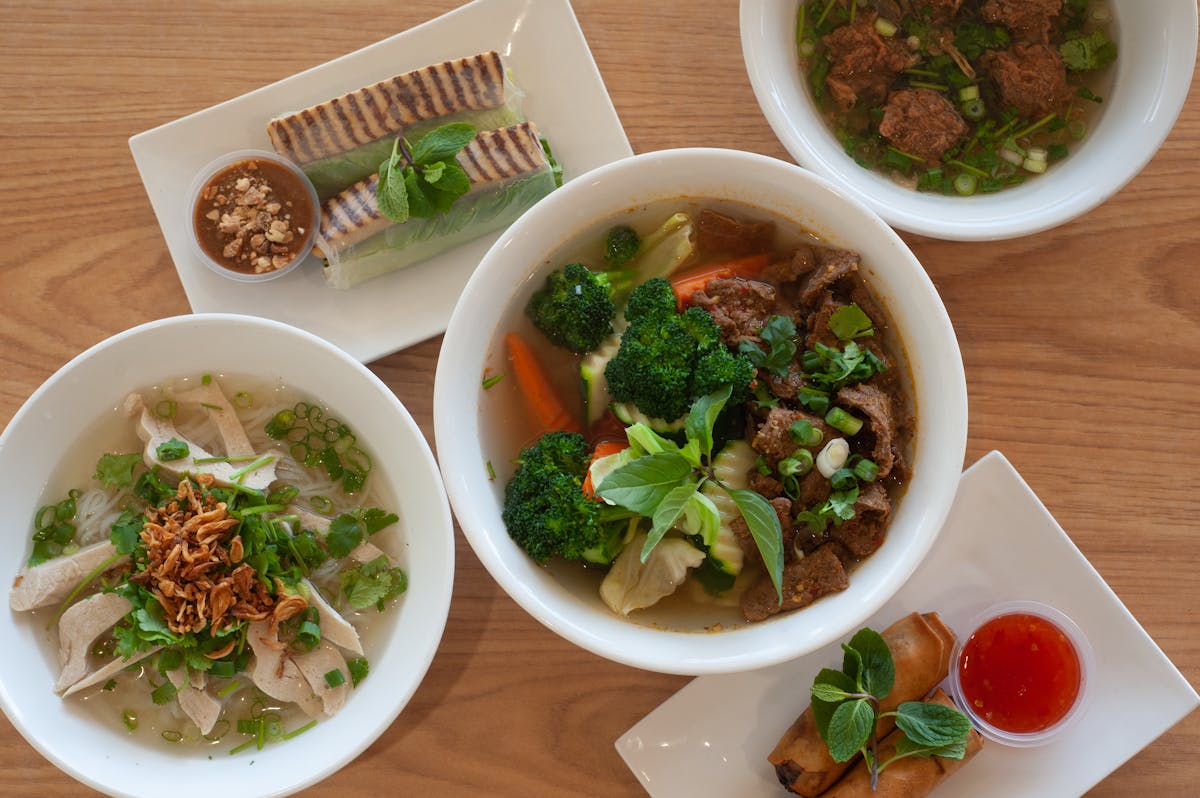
(911, 777)
(921, 647)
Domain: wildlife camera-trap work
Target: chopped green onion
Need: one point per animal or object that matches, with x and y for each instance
(222, 669)
(129, 718)
(321, 504)
(1037, 167)
(884, 27)
(299, 731)
(1036, 154)
(815, 400)
(799, 464)
(109, 686)
(165, 409)
(491, 471)
(1035, 126)
(800, 16)
(358, 667)
(1011, 156)
(243, 399)
(974, 109)
(965, 184)
(807, 49)
(266, 459)
(490, 381)
(967, 93)
(211, 406)
(921, 84)
(206, 379)
(842, 421)
(966, 167)
(866, 470)
(804, 433)
(843, 479)
(760, 465)
(1077, 129)
(172, 736)
(335, 678)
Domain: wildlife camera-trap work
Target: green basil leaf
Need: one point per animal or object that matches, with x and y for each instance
(930, 724)
(640, 436)
(764, 527)
(850, 728)
(823, 710)
(642, 484)
(703, 417)
(442, 143)
(849, 321)
(878, 669)
(667, 513)
(391, 194)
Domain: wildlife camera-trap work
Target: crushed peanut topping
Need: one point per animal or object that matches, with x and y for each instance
(194, 568)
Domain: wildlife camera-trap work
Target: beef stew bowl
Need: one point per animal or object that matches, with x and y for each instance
(198, 593)
(643, 493)
(981, 120)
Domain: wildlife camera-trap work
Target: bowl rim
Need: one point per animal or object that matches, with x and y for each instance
(637, 645)
(986, 218)
(435, 598)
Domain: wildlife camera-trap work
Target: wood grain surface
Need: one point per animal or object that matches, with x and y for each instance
(1081, 344)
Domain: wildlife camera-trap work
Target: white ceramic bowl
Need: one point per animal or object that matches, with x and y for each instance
(520, 256)
(1157, 44)
(105, 757)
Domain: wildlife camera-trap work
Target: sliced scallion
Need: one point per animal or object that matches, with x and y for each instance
(335, 678)
(965, 184)
(129, 718)
(842, 421)
(804, 433)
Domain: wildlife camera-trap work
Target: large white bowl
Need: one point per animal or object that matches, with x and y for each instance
(1157, 45)
(520, 256)
(92, 385)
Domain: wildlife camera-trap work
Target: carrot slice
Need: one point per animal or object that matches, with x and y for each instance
(540, 398)
(603, 449)
(688, 283)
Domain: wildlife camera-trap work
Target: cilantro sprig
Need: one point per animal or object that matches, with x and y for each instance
(779, 333)
(846, 708)
(424, 180)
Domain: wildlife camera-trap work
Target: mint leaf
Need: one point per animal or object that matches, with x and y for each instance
(906, 747)
(850, 728)
(667, 513)
(930, 724)
(764, 527)
(420, 204)
(849, 321)
(878, 669)
(433, 172)
(642, 484)
(391, 194)
(173, 449)
(852, 666)
(823, 710)
(829, 693)
(116, 470)
(703, 417)
(454, 180)
(442, 144)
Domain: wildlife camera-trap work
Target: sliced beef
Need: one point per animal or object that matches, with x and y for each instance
(741, 531)
(784, 387)
(876, 405)
(802, 261)
(817, 325)
(921, 122)
(832, 266)
(814, 490)
(1026, 20)
(1030, 78)
(863, 64)
(804, 581)
(739, 307)
(717, 234)
(864, 533)
(774, 441)
(768, 487)
(940, 11)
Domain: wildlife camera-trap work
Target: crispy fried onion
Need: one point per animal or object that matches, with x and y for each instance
(194, 567)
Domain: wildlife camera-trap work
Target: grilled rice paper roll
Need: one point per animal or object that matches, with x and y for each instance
(509, 172)
(343, 140)
(911, 777)
(921, 647)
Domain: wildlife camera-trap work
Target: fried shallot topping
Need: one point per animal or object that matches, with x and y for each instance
(194, 567)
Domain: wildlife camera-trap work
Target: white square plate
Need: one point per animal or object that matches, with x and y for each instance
(550, 61)
(999, 543)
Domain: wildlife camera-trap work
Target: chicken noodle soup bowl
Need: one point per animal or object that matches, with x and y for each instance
(45, 436)
(471, 439)
(1143, 92)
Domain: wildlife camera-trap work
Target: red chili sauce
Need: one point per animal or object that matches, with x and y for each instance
(1020, 672)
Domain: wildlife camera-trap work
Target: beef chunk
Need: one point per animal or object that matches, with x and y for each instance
(768, 487)
(783, 509)
(1026, 20)
(739, 307)
(863, 64)
(921, 122)
(940, 11)
(814, 490)
(832, 266)
(817, 325)
(864, 533)
(719, 235)
(773, 440)
(785, 387)
(1029, 77)
(877, 407)
(802, 261)
(804, 581)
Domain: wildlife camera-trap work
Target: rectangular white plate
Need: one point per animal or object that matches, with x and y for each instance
(550, 61)
(999, 543)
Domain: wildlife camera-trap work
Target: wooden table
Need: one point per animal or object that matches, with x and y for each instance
(1081, 344)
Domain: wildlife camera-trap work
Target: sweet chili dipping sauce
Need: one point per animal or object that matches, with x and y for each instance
(1020, 672)
(253, 216)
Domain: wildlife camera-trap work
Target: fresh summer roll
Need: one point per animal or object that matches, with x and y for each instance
(343, 140)
(911, 777)
(509, 172)
(921, 647)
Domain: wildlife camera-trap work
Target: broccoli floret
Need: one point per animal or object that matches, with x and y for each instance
(575, 309)
(621, 244)
(669, 359)
(546, 511)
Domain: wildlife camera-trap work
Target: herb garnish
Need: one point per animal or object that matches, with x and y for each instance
(779, 332)
(845, 706)
(424, 180)
(849, 322)
(830, 369)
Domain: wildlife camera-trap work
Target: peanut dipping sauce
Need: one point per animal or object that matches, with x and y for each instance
(254, 216)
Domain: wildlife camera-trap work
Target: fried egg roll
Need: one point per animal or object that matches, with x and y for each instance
(920, 646)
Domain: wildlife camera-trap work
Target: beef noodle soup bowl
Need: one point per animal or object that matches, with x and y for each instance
(742, 238)
(239, 404)
(1092, 149)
